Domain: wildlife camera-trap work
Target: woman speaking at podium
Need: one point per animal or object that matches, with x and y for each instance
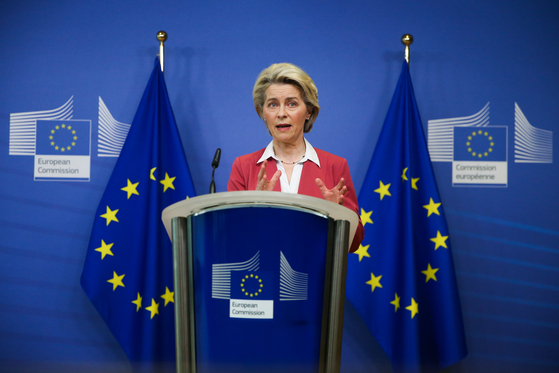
(286, 99)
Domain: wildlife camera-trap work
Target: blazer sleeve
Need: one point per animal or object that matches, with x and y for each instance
(237, 180)
(350, 202)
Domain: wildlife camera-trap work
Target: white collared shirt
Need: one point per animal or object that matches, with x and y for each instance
(286, 186)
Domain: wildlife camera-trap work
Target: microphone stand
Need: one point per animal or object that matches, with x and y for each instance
(215, 164)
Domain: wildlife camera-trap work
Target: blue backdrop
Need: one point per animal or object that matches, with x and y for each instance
(475, 63)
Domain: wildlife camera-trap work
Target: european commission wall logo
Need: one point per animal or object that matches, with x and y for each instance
(61, 145)
(251, 292)
(479, 152)
(62, 150)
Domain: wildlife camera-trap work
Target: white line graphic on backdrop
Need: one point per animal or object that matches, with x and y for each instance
(23, 126)
(532, 145)
(221, 275)
(441, 133)
(293, 284)
(112, 133)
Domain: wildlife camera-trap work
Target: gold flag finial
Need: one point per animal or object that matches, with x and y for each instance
(162, 37)
(407, 40)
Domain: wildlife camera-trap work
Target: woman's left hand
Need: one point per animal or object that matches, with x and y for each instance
(335, 194)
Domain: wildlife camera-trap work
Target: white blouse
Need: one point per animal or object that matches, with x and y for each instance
(286, 186)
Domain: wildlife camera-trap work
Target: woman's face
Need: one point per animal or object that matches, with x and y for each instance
(285, 113)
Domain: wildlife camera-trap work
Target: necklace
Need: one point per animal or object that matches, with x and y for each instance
(297, 161)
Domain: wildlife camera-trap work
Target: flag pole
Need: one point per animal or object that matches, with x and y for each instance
(407, 40)
(162, 37)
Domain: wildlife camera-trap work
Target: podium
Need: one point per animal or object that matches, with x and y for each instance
(259, 281)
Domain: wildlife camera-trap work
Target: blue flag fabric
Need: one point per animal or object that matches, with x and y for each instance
(128, 271)
(401, 279)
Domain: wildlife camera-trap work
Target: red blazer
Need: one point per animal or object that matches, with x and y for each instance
(244, 176)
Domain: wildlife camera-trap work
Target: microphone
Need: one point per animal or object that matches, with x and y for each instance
(217, 156)
(215, 164)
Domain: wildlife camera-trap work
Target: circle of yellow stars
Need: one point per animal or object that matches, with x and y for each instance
(440, 241)
(57, 146)
(473, 138)
(254, 280)
(106, 248)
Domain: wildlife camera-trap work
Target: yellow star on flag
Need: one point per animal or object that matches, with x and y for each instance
(383, 190)
(432, 208)
(116, 280)
(396, 302)
(168, 182)
(362, 251)
(138, 302)
(430, 273)
(404, 177)
(131, 188)
(366, 217)
(414, 183)
(413, 308)
(374, 282)
(151, 173)
(440, 241)
(105, 249)
(168, 296)
(110, 215)
(154, 308)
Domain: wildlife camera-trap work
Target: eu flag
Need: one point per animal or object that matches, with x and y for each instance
(128, 271)
(401, 279)
(481, 144)
(63, 137)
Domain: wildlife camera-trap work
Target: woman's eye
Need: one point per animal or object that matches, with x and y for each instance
(292, 104)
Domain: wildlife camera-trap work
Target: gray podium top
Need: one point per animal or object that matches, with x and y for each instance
(246, 198)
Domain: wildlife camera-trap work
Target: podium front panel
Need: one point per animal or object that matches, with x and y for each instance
(259, 280)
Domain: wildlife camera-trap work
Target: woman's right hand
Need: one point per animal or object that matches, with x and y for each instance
(263, 182)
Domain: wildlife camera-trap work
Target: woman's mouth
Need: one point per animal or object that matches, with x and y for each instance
(283, 127)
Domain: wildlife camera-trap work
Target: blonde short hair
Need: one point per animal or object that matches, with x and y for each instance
(287, 73)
